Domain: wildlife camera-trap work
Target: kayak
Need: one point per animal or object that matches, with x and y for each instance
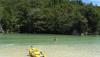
(35, 52)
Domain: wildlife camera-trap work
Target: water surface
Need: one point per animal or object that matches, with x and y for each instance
(16, 45)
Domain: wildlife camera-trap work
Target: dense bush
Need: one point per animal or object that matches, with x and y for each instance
(49, 16)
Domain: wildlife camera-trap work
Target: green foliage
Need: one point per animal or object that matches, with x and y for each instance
(49, 16)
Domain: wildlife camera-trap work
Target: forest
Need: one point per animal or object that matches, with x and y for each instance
(49, 17)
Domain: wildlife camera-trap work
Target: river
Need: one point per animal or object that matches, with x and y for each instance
(17, 45)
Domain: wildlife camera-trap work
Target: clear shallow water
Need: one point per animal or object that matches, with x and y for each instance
(28, 39)
(16, 45)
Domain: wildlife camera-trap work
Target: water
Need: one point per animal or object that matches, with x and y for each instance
(16, 45)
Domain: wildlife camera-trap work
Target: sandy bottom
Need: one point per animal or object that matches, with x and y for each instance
(52, 50)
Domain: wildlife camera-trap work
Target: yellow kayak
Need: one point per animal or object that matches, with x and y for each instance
(34, 52)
